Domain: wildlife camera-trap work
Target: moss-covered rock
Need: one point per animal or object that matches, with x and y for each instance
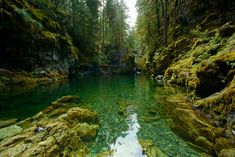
(206, 65)
(193, 126)
(58, 130)
(4, 123)
(150, 150)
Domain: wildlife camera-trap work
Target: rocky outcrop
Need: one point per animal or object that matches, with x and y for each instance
(151, 150)
(30, 79)
(58, 130)
(34, 40)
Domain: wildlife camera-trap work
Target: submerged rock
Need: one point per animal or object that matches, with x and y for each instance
(58, 130)
(123, 106)
(150, 149)
(9, 131)
(68, 99)
(4, 123)
(199, 131)
(193, 126)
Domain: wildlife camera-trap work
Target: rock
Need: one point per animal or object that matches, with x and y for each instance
(9, 131)
(58, 139)
(123, 107)
(87, 132)
(159, 77)
(150, 149)
(220, 144)
(105, 154)
(56, 131)
(191, 126)
(227, 152)
(68, 99)
(4, 123)
(42, 73)
(77, 114)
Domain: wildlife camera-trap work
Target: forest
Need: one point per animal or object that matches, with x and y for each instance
(77, 79)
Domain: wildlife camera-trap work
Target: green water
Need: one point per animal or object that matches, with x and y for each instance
(143, 117)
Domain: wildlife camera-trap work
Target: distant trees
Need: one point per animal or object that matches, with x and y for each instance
(156, 22)
(97, 27)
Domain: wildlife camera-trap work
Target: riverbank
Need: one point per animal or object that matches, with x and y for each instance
(30, 79)
(202, 62)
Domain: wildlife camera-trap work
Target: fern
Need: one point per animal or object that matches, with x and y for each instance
(25, 16)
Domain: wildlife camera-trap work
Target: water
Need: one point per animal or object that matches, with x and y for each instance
(130, 108)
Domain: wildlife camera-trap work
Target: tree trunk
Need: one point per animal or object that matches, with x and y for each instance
(174, 17)
(165, 18)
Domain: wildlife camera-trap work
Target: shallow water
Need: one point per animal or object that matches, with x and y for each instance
(142, 115)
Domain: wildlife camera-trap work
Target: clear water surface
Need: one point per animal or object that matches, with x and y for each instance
(142, 116)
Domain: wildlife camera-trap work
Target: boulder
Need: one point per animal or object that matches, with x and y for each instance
(87, 132)
(150, 149)
(77, 114)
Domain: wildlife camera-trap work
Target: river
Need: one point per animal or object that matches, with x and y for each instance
(130, 108)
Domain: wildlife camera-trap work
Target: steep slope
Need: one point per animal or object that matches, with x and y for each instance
(34, 37)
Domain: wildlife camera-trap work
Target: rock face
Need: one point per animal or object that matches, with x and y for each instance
(38, 42)
(58, 130)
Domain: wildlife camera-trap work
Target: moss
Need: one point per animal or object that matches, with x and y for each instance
(141, 63)
(49, 35)
(220, 103)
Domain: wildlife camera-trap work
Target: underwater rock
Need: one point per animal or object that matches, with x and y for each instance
(201, 132)
(4, 123)
(68, 99)
(9, 131)
(194, 128)
(77, 114)
(57, 139)
(58, 130)
(87, 132)
(123, 106)
(105, 154)
(150, 149)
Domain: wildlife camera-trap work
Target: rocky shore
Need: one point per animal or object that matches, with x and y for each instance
(59, 130)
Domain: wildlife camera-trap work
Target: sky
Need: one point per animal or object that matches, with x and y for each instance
(132, 13)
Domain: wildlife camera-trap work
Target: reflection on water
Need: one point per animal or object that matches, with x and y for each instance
(128, 146)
